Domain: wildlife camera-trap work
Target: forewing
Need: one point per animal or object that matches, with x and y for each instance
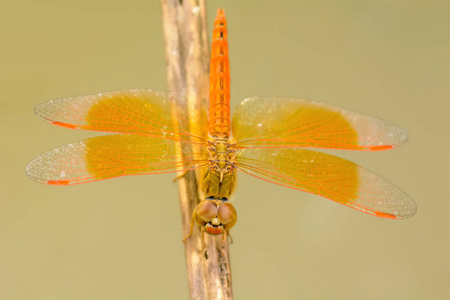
(138, 111)
(329, 176)
(111, 156)
(285, 122)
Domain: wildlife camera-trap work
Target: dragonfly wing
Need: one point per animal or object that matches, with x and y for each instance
(329, 176)
(110, 156)
(285, 122)
(138, 111)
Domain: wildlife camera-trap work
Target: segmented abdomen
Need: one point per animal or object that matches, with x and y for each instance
(219, 80)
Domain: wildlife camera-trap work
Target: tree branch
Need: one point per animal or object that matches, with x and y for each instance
(187, 54)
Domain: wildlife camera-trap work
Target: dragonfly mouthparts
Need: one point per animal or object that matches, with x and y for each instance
(213, 229)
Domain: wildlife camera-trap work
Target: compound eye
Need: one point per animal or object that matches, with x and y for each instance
(206, 210)
(227, 214)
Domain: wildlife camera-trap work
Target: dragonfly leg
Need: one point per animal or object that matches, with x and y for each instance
(180, 176)
(203, 241)
(191, 228)
(229, 235)
(225, 235)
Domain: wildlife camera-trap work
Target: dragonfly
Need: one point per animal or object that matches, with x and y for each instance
(268, 138)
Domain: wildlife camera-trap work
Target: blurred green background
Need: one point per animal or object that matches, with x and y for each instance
(121, 238)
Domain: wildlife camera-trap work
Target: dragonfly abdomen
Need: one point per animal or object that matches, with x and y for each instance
(219, 80)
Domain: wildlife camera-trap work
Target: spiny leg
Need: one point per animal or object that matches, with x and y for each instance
(180, 176)
(229, 235)
(225, 235)
(203, 241)
(191, 228)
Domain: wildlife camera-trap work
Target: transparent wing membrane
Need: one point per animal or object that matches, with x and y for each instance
(328, 176)
(111, 156)
(138, 111)
(284, 122)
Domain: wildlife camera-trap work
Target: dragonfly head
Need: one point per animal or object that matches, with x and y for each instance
(215, 216)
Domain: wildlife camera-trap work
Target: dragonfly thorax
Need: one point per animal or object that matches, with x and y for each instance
(221, 156)
(220, 175)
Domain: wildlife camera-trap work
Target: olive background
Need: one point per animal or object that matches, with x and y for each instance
(121, 238)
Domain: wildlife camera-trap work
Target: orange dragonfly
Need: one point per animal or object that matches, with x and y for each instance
(265, 138)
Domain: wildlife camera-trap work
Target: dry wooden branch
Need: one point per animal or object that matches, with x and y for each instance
(187, 54)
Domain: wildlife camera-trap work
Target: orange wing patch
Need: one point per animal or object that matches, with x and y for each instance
(329, 176)
(110, 156)
(284, 122)
(138, 111)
